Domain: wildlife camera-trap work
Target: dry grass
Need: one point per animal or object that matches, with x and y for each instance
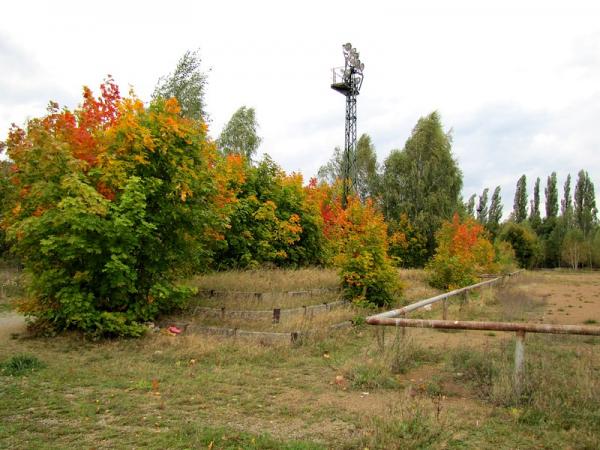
(268, 280)
(267, 301)
(346, 389)
(310, 322)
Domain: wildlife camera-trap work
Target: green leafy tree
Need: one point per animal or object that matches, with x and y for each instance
(520, 203)
(366, 169)
(470, 206)
(116, 202)
(573, 248)
(482, 207)
(239, 135)
(187, 84)
(553, 241)
(596, 248)
(585, 211)
(495, 213)
(551, 193)
(523, 241)
(407, 245)
(364, 173)
(271, 222)
(566, 204)
(535, 218)
(546, 230)
(423, 180)
(462, 253)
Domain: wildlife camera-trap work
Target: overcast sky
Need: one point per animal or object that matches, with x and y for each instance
(518, 82)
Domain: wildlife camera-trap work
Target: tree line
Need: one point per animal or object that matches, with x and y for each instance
(112, 204)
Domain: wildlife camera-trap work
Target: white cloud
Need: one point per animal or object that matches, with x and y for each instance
(516, 81)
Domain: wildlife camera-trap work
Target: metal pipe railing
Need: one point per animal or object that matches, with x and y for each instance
(488, 326)
(519, 328)
(420, 304)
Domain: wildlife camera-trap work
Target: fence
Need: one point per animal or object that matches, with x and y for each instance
(276, 314)
(390, 318)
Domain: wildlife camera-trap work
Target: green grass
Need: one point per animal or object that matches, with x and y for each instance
(20, 365)
(351, 389)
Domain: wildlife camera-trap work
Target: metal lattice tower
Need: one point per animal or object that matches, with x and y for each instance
(348, 80)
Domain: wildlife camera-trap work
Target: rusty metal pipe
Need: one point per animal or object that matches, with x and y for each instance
(437, 298)
(491, 326)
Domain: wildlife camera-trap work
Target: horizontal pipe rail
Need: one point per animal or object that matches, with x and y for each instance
(437, 298)
(489, 326)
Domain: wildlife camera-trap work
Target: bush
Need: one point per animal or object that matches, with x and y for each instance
(271, 222)
(524, 243)
(368, 277)
(116, 201)
(355, 241)
(408, 247)
(462, 253)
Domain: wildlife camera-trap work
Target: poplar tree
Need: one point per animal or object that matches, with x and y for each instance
(585, 212)
(566, 209)
(495, 212)
(482, 207)
(551, 193)
(471, 206)
(520, 203)
(535, 218)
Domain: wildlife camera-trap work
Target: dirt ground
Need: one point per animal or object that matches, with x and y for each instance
(570, 298)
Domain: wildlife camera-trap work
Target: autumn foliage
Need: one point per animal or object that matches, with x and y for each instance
(463, 252)
(357, 244)
(115, 201)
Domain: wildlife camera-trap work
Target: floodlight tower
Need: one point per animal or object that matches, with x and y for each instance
(347, 80)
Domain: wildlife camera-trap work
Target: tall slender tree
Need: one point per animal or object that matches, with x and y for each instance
(551, 193)
(566, 209)
(495, 213)
(535, 218)
(471, 205)
(482, 207)
(585, 212)
(520, 203)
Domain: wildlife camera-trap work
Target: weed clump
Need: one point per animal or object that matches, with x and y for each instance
(20, 365)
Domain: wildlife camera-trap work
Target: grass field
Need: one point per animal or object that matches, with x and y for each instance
(357, 388)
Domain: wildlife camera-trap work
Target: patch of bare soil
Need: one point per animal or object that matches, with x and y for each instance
(571, 297)
(10, 324)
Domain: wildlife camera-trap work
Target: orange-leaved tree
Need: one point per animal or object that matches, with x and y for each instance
(356, 241)
(463, 251)
(115, 201)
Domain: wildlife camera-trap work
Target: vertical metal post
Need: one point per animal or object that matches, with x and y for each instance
(403, 316)
(348, 177)
(276, 315)
(519, 361)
